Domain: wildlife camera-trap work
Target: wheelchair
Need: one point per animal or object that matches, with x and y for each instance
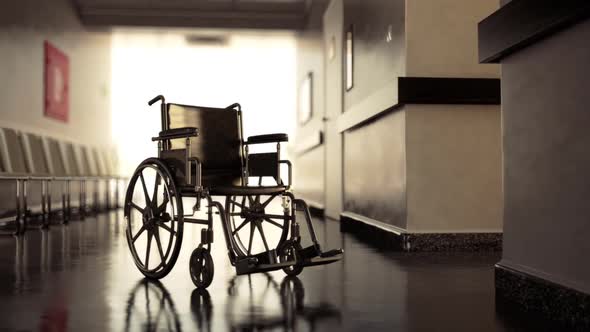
(201, 154)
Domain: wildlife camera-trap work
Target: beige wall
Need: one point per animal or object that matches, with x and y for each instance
(441, 38)
(453, 151)
(309, 166)
(430, 168)
(308, 176)
(453, 168)
(24, 26)
(375, 169)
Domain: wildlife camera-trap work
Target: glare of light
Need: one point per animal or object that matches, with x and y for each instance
(255, 70)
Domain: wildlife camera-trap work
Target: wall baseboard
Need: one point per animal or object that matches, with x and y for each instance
(385, 239)
(521, 294)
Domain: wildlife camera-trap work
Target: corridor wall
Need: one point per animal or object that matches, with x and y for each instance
(420, 124)
(24, 26)
(309, 151)
(543, 50)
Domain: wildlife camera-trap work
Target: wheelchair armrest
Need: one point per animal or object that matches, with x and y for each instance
(268, 138)
(177, 133)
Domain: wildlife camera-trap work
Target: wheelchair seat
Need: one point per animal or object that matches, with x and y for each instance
(238, 190)
(247, 190)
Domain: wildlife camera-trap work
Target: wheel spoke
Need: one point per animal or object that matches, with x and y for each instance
(259, 226)
(251, 238)
(147, 252)
(238, 204)
(273, 222)
(235, 214)
(268, 201)
(141, 230)
(135, 206)
(159, 244)
(155, 195)
(240, 227)
(145, 192)
(273, 216)
(166, 227)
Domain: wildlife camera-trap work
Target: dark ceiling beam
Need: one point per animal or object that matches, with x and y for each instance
(192, 18)
(226, 5)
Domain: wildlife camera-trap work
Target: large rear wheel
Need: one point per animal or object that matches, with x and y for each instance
(257, 223)
(154, 216)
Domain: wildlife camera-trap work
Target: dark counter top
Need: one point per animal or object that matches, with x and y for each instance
(520, 23)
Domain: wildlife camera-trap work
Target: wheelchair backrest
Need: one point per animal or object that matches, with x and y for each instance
(219, 145)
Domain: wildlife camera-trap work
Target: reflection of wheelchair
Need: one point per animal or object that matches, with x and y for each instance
(150, 308)
(202, 153)
(260, 311)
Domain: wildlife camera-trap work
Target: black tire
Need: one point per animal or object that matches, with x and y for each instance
(157, 218)
(289, 251)
(201, 268)
(237, 209)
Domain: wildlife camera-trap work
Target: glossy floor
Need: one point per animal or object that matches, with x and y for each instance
(81, 277)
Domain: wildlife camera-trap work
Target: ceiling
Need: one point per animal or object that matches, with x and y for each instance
(250, 14)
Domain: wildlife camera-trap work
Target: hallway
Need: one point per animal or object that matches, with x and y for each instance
(80, 277)
(441, 144)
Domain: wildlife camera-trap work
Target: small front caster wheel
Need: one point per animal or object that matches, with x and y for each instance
(290, 252)
(201, 267)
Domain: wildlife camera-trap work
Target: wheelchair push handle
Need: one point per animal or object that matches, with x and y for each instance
(164, 115)
(154, 100)
(234, 106)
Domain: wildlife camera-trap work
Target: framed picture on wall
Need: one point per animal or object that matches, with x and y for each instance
(349, 57)
(305, 100)
(56, 83)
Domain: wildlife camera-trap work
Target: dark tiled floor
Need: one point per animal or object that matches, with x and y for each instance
(81, 277)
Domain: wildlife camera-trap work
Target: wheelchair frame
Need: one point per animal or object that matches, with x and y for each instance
(179, 183)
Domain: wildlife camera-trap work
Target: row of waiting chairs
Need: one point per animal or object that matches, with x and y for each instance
(44, 180)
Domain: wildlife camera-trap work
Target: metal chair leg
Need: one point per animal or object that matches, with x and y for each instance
(18, 220)
(25, 213)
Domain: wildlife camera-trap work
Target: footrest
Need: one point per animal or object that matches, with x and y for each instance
(312, 255)
(309, 252)
(331, 253)
(246, 266)
(266, 257)
(319, 260)
(262, 262)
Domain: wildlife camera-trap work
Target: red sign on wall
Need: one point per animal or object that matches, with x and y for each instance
(57, 74)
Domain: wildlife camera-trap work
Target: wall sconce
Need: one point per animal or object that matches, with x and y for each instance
(349, 57)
